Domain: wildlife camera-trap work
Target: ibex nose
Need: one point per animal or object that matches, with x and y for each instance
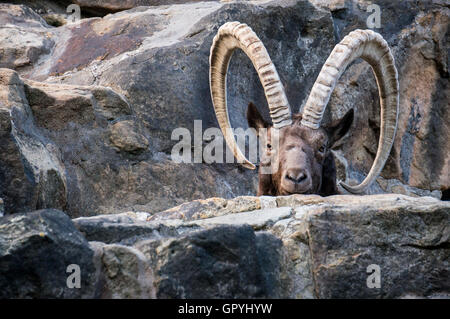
(297, 176)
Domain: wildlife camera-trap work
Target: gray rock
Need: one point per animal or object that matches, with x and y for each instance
(125, 272)
(111, 152)
(126, 228)
(221, 262)
(257, 219)
(411, 250)
(125, 137)
(24, 37)
(32, 175)
(34, 169)
(35, 252)
(307, 247)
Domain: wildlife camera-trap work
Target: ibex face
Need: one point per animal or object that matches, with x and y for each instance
(302, 158)
(300, 162)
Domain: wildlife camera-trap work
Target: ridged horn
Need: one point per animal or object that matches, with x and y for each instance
(234, 35)
(371, 47)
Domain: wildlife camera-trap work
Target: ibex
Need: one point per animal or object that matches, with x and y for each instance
(304, 163)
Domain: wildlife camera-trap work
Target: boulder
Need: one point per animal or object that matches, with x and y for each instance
(220, 262)
(32, 175)
(300, 246)
(41, 122)
(36, 252)
(24, 37)
(124, 137)
(124, 272)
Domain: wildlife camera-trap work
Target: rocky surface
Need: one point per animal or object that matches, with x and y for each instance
(33, 171)
(108, 149)
(24, 37)
(35, 252)
(89, 8)
(300, 246)
(102, 7)
(87, 111)
(418, 36)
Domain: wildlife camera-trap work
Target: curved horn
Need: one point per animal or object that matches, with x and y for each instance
(234, 35)
(371, 47)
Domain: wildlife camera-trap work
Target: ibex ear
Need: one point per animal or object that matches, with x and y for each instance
(337, 130)
(254, 118)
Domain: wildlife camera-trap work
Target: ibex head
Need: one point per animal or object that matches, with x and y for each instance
(301, 156)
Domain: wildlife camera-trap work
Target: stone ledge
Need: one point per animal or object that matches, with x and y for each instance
(305, 247)
(309, 246)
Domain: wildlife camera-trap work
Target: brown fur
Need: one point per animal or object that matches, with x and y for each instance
(301, 163)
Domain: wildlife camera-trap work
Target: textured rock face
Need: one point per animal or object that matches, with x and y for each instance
(31, 173)
(24, 37)
(295, 247)
(300, 246)
(103, 7)
(221, 262)
(418, 36)
(138, 74)
(344, 244)
(35, 252)
(41, 125)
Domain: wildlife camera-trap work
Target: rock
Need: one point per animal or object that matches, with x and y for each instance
(151, 67)
(126, 273)
(47, 119)
(31, 171)
(24, 35)
(211, 207)
(90, 8)
(417, 37)
(2, 208)
(410, 249)
(395, 186)
(35, 252)
(261, 220)
(307, 247)
(124, 228)
(125, 137)
(422, 146)
(222, 262)
(101, 7)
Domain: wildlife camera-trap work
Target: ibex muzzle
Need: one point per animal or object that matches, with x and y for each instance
(302, 156)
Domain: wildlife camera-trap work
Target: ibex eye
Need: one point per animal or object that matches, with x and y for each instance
(269, 146)
(322, 149)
